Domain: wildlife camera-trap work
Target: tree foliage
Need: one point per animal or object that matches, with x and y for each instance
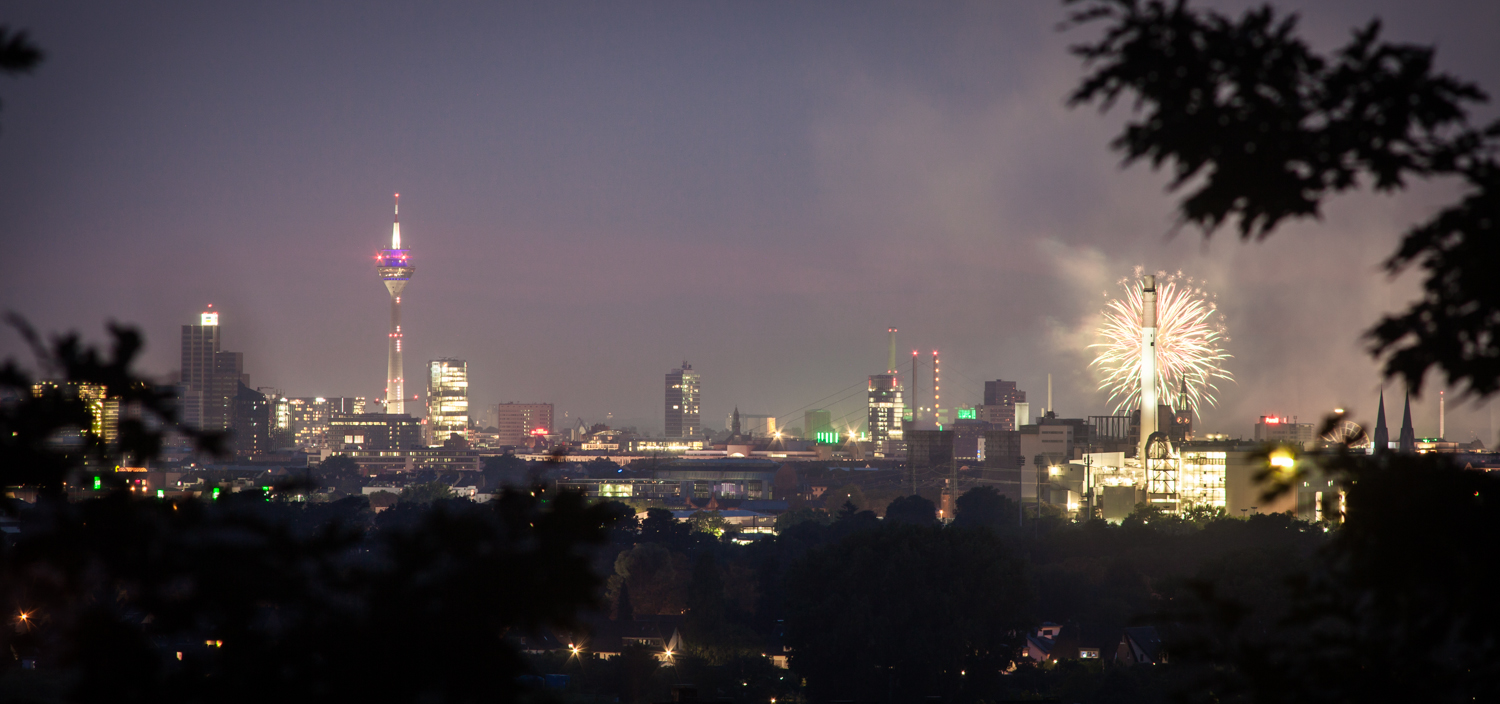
(835, 498)
(340, 473)
(657, 577)
(126, 599)
(903, 610)
(911, 509)
(984, 507)
(17, 54)
(709, 522)
(425, 493)
(1261, 129)
(44, 432)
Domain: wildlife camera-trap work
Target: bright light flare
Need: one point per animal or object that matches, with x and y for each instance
(1189, 345)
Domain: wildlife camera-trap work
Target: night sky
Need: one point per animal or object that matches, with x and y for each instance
(593, 193)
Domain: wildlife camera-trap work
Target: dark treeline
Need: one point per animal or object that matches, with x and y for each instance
(259, 597)
(901, 608)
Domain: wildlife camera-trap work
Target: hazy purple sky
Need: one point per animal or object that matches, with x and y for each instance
(594, 192)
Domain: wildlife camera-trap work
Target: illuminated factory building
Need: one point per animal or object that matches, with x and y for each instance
(447, 400)
(395, 269)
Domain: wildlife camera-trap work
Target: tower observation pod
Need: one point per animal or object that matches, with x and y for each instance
(395, 269)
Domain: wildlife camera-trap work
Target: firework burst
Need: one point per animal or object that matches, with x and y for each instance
(1189, 338)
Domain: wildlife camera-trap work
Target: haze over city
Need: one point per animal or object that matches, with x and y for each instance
(594, 193)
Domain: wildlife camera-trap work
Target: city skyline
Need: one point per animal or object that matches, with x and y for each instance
(944, 191)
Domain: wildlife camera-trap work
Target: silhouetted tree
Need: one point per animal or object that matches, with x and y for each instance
(911, 509)
(898, 612)
(17, 54)
(846, 494)
(341, 473)
(661, 526)
(242, 600)
(1396, 608)
(982, 506)
(1263, 129)
(425, 493)
(624, 610)
(710, 522)
(802, 515)
(658, 578)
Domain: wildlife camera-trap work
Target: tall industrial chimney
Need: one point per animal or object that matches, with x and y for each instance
(1442, 428)
(916, 403)
(1148, 363)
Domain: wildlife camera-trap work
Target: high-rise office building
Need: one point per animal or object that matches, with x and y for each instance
(886, 409)
(1283, 430)
(395, 269)
(999, 407)
(518, 423)
(223, 388)
(250, 423)
(683, 396)
(199, 345)
(210, 376)
(447, 400)
(375, 432)
(310, 417)
(281, 418)
(104, 412)
(817, 424)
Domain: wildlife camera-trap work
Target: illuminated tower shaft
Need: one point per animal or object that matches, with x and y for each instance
(937, 390)
(395, 269)
(1148, 363)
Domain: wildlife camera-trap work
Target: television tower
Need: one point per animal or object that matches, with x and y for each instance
(395, 269)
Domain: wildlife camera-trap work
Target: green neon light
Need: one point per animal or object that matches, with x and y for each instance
(967, 414)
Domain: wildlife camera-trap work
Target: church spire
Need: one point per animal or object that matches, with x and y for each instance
(1382, 439)
(734, 425)
(1408, 435)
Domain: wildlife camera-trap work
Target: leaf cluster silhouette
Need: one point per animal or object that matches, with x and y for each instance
(1260, 129)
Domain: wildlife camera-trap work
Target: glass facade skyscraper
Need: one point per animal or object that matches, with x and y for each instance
(447, 399)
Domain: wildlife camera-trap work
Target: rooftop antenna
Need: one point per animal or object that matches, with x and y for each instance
(890, 365)
(396, 227)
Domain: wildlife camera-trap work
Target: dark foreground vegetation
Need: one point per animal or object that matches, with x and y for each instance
(259, 597)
